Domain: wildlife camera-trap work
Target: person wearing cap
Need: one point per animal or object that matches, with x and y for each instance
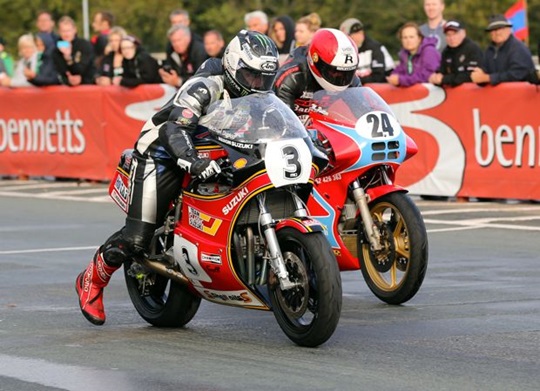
(459, 58)
(506, 59)
(374, 61)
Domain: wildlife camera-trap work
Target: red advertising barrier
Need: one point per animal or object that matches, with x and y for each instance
(473, 141)
(72, 132)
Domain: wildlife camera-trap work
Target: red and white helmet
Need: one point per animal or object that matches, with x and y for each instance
(332, 59)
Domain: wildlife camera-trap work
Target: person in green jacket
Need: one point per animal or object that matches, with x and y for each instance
(6, 58)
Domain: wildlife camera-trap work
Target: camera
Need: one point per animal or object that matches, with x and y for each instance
(166, 67)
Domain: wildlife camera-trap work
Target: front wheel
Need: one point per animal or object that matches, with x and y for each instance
(308, 313)
(396, 272)
(158, 300)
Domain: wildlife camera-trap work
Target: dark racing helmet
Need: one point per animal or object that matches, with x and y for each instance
(332, 59)
(250, 63)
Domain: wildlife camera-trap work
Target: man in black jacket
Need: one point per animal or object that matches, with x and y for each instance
(102, 24)
(506, 59)
(73, 56)
(374, 61)
(459, 57)
(328, 63)
(186, 57)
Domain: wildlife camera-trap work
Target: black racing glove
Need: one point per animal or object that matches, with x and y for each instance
(201, 168)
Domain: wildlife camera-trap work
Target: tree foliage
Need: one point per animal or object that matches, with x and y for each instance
(148, 20)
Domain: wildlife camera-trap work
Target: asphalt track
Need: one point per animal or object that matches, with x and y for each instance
(474, 325)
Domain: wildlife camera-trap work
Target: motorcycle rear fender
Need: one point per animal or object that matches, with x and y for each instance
(379, 191)
(305, 225)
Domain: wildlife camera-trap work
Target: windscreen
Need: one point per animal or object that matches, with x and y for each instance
(254, 118)
(349, 105)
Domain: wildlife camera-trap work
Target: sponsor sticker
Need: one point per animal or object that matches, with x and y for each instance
(211, 258)
(240, 163)
(268, 66)
(203, 222)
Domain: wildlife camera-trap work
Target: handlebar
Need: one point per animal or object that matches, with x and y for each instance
(225, 177)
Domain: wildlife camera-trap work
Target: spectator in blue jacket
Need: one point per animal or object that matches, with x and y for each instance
(506, 58)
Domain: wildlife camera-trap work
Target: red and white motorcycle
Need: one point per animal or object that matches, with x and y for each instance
(246, 239)
(373, 225)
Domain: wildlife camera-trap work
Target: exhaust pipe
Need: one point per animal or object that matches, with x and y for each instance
(162, 269)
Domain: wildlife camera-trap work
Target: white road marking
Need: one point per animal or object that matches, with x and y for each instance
(81, 191)
(67, 191)
(431, 231)
(44, 250)
(48, 196)
(486, 222)
(65, 377)
(22, 185)
(501, 208)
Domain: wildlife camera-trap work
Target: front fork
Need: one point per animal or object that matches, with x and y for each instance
(276, 258)
(361, 200)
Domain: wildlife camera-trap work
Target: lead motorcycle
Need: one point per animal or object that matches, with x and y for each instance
(246, 239)
(373, 225)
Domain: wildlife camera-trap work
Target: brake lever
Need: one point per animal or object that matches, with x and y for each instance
(226, 169)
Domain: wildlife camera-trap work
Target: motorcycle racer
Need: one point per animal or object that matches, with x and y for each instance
(164, 151)
(329, 62)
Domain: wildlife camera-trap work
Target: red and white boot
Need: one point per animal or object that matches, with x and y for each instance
(89, 286)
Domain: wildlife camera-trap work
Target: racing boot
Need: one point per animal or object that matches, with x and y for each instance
(89, 286)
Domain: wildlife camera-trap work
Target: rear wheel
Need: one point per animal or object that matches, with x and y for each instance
(396, 272)
(158, 300)
(308, 313)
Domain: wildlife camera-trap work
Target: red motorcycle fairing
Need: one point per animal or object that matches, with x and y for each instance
(412, 148)
(211, 221)
(364, 140)
(219, 241)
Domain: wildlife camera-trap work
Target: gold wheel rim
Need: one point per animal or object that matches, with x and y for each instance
(392, 279)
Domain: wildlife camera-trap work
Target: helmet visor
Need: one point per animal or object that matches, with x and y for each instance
(334, 76)
(254, 79)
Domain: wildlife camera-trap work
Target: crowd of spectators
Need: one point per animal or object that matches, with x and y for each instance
(437, 51)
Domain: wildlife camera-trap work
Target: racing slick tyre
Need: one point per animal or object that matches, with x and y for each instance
(309, 312)
(396, 272)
